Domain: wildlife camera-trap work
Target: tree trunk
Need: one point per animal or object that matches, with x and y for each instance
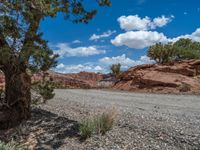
(17, 99)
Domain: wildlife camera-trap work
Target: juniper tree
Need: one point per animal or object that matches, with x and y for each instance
(162, 53)
(115, 68)
(187, 49)
(22, 49)
(179, 50)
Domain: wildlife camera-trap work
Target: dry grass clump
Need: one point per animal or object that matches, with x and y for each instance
(99, 124)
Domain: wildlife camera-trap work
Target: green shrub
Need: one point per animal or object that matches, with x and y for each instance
(162, 53)
(99, 124)
(87, 128)
(12, 146)
(187, 49)
(180, 50)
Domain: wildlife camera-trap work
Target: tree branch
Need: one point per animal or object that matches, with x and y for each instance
(3, 43)
(30, 35)
(2, 40)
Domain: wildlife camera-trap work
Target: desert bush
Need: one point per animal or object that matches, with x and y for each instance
(100, 124)
(116, 68)
(187, 49)
(87, 128)
(180, 50)
(12, 145)
(104, 122)
(184, 87)
(162, 53)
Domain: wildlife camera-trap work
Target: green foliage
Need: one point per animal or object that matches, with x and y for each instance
(45, 88)
(21, 45)
(23, 49)
(87, 128)
(180, 50)
(115, 68)
(187, 49)
(99, 124)
(12, 146)
(162, 53)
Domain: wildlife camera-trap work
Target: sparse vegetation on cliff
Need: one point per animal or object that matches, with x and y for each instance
(180, 50)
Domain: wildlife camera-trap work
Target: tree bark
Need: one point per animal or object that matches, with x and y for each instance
(17, 99)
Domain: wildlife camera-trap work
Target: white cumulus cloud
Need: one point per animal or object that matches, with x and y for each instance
(139, 39)
(134, 22)
(161, 21)
(96, 37)
(138, 36)
(60, 66)
(103, 64)
(125, 61)
(64, 49)
(78, 68)
(195, 36)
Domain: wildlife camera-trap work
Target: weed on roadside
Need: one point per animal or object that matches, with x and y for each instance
(99, 124)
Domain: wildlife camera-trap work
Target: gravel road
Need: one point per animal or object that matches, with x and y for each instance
(143, 121)
(135, 102)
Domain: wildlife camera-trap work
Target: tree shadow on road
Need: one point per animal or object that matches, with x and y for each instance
(51, 130)
(45, 130)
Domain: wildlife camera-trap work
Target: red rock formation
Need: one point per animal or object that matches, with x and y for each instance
(80, 80)
(169, 78)
(87, 77)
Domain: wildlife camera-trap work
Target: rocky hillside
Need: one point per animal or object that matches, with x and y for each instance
(177, 77)
(80, 80)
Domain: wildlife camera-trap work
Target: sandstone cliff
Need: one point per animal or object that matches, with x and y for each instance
(183, 76)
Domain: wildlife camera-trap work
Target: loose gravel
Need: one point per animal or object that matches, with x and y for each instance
(144, 121)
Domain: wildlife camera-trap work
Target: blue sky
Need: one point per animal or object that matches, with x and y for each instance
(121, 33)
